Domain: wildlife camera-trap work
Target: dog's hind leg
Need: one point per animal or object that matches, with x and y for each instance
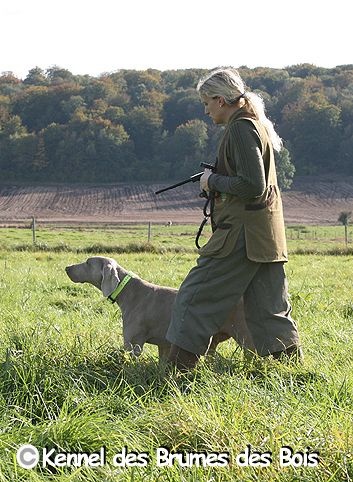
(215, 341)
(163, 352)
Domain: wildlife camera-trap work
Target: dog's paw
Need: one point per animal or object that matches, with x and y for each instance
(137, 350)
(134, 350)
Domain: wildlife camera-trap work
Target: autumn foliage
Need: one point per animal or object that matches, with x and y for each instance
(149, 125)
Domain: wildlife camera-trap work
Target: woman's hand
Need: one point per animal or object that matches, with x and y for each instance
(204, 180)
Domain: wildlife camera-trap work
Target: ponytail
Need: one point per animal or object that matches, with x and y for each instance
(226, 82)
(257, 107)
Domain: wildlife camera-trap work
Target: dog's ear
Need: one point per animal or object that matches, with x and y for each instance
(110, 279)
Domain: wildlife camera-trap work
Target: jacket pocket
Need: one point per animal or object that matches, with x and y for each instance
(221, 243)
(270, 199)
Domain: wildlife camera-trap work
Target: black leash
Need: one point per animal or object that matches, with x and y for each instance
(207, 215)
(209, 201)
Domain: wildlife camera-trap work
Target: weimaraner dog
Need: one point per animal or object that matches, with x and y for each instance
(146, 307)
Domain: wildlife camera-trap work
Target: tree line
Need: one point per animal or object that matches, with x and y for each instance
(150, 125)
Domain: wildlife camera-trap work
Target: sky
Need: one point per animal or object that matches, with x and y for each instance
(98, 36)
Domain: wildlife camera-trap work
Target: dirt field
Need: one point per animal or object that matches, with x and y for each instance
(312, 200)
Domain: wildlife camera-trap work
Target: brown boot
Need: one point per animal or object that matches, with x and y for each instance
(181, 359)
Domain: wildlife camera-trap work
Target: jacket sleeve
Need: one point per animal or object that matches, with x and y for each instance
(244, 153)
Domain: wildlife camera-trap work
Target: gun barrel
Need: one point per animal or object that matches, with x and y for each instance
(207, 166)
(194, 178)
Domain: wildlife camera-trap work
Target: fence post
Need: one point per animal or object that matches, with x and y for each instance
(149, 231)
(33, 229)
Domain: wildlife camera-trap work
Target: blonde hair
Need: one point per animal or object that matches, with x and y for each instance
(227, 83)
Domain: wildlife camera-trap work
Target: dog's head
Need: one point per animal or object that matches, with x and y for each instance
(101, 272)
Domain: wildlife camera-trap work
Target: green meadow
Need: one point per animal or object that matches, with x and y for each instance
(67, 386)
(300, 238)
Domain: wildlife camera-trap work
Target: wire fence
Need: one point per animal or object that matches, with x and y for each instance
(75, 234)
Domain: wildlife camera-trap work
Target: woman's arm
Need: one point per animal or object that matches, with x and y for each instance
(246, 160)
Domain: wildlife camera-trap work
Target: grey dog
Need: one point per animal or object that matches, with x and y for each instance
(146, 307)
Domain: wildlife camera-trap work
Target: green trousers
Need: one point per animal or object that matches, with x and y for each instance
(215, 285)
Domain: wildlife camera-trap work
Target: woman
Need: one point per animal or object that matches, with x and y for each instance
(246, 253)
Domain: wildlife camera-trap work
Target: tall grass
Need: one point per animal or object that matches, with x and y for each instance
(66, 384)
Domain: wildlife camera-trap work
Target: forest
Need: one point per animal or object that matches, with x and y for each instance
(149, 125)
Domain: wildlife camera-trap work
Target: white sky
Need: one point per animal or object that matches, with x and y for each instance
(96, 36)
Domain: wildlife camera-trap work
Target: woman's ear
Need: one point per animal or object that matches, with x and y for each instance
(221, 101)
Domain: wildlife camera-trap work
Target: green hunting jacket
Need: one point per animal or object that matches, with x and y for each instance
(245, 140)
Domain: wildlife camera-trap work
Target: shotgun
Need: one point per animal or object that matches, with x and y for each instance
(193, 178)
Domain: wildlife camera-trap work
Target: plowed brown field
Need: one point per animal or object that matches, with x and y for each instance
(312, 200)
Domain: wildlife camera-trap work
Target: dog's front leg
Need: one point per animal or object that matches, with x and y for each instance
(134, 349)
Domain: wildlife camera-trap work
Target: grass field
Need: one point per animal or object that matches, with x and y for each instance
(318, 239)
(65, 383)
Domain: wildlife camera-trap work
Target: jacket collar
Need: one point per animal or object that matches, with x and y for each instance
(241, 113)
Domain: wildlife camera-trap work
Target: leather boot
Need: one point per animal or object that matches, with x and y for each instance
(182, 359)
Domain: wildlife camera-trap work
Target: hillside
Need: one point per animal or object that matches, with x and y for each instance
(312, 200)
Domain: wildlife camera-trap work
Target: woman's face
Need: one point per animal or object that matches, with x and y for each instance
(214, 107)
